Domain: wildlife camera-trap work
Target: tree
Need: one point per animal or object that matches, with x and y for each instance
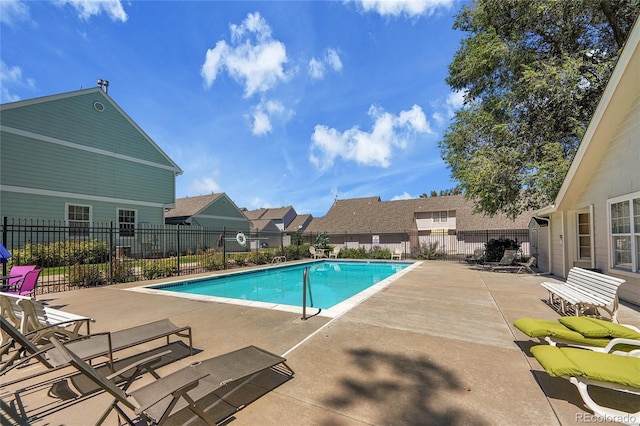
(532, 73)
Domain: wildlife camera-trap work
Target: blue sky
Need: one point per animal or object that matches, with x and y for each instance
(274, 103)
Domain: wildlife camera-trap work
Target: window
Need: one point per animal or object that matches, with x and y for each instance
(126, 222)
(78, 220)
(625, 233)
(439, 217)
(584, 236)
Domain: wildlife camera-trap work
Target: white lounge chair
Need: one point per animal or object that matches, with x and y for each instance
(397, 254)
(316, 254)
(334, 254)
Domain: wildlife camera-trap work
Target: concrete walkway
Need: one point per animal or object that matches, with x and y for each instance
(436, 347)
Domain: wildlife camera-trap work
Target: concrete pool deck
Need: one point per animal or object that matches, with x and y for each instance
(435, 347)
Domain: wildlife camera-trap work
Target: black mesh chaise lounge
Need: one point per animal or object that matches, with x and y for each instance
(189, 388)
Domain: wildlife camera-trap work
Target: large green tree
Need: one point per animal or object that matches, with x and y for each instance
(532, 72)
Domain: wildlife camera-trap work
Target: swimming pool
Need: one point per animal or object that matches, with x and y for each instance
(334, 286)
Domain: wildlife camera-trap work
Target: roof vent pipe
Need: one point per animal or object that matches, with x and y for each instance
(104, 85)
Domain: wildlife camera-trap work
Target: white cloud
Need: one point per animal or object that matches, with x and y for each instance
(204, 185)
(330, 60)
(253, 58)
(455, 101)
(13, 12)
(373, 148)
(264, 113)
(410, 8)
(12, 77)
(88, 8)
(404, 196)
(438, 118)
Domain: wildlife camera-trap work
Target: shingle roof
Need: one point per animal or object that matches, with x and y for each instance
(364, 215)
(265, 225)
(301, 220)
(190, 206)
(268, 213)
(254, 214)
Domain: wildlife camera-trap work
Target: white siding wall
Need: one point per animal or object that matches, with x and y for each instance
(617, 174)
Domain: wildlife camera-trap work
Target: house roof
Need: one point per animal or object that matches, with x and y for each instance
(191, 206)
(616, 101)
(107, 98)
(265, 225)
(370, 214)
(269, 213)
(277, 213)
(253, 214)
(299, 223)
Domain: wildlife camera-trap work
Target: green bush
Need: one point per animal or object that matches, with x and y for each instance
(380, 253)
(85, 275)
(121, 272)
(61, 253)
(494, 248)
(295, 252)
(351, 253)
(211, 261)
(430, 251)
(155, 269)
(240, 259)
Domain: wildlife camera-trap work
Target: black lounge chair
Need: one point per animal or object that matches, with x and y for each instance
(189, 388)
(90, 346)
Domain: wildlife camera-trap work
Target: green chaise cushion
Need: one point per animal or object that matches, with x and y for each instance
(593, 327)
(539, 328)
(624, 370)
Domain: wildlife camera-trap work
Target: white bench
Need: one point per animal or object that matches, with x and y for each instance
(586, 290)
(29, 314)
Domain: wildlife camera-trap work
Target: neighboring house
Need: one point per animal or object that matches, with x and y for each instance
(299, 224)
(78, 157)
(214, 211)
(595, 220)
(281, 217)
(270, 224)
(409, 224)
(207, 216)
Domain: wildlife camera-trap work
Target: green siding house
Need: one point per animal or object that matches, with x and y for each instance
(78, 157)
(214, 211)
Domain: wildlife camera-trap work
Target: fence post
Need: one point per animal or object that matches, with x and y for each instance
(4, 241)
(224, 247)
(110, 257)
(178, 246)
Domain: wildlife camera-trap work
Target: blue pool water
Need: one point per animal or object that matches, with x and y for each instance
(331, 282)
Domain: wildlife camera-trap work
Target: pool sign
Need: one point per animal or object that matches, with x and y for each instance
(375, 239)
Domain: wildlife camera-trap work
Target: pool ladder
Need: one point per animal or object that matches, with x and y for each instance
(306, 283)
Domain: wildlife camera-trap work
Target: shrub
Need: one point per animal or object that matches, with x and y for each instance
(430, 251)
(494, 249)
(61, 253)
(121, 272)
(154, 269)
(85, 275)
(351, 253)
(322, 240)
(380, 253)
(295, 252)
(211, 261)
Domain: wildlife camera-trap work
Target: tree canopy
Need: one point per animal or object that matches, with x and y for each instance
(532, 73)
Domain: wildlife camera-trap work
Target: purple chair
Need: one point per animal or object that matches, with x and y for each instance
(18, 273)
(28, 285)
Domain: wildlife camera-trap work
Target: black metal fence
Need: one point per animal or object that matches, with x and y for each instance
(103, 253)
